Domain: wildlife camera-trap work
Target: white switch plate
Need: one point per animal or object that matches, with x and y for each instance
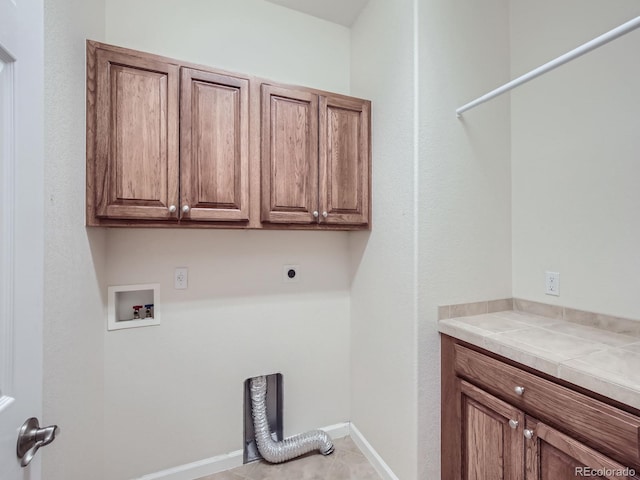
(552, 283)
(181, 278)
(290, 273)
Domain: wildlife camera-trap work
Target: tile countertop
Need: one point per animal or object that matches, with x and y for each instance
(599, 360)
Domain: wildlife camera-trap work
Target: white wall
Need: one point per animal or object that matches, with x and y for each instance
(575, 150)
(383, 320)
(464, 182)
(181, 383)
(250, 36)
(441, 207)
(74, 256)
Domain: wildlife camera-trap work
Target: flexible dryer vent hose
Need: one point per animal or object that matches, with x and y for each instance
(278, 452)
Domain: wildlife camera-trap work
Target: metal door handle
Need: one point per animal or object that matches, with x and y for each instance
(32, 437)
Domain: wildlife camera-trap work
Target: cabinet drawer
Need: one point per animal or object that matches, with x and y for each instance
(595, 423)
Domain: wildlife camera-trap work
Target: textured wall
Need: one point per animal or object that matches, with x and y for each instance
(464, 182)
(441, 209)
(74, 256)
(251, 36)
(575, 150)
(383, 330)
(182, 382)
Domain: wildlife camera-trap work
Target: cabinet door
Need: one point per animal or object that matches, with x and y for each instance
(344, 160)
(552, 455)
(136, 137)
(289, 155)
(214, 147)
(492, 438)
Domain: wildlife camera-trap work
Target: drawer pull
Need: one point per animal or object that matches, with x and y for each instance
(528, 434)
(519, 390)
(513, 424)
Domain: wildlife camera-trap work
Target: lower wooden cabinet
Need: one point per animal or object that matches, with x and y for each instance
(491, 440)
(485, 437)
(552, 455)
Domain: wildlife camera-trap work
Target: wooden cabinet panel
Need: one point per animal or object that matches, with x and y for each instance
(172, 143)
(491, 448)
(136, 137)
(596, 423)
(289, 155)
(584, 437)
(344, 160)
(214, 150)
(552, 455)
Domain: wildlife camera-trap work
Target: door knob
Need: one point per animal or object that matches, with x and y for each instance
(172, 209)
(519, 390)
(528, 433)
(513, 423)
(31, 437)
(185, 208)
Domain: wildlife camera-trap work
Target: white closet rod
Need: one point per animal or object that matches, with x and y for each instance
(567, 57)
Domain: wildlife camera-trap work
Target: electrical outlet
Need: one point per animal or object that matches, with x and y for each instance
(552, 283)
(181, 278)
(290, 273)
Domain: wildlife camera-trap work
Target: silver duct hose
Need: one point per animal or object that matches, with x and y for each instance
(278, 452)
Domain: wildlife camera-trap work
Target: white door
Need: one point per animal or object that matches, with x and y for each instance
(21, 227)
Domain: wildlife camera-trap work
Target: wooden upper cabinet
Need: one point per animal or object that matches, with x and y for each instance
(135, 169)
(315, 158)
(214, 147)
(289, 155)
(344, 160)
(170, 143)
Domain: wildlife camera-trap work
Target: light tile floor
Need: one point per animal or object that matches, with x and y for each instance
(346, 463)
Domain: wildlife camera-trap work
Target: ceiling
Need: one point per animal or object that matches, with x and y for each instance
(343, 12)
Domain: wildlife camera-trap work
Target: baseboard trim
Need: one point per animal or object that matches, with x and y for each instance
(369, 452)
(221, 463)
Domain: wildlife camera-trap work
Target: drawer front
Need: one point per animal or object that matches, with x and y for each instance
(595, 423)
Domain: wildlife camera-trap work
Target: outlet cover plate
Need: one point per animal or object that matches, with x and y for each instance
(552, 283)
(181, 278)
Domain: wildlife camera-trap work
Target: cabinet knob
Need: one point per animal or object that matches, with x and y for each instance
(519, 390)
(185, 208)
(325, 214)
(172, 209)
(528, 434)
(513, 424)
(315, 214)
